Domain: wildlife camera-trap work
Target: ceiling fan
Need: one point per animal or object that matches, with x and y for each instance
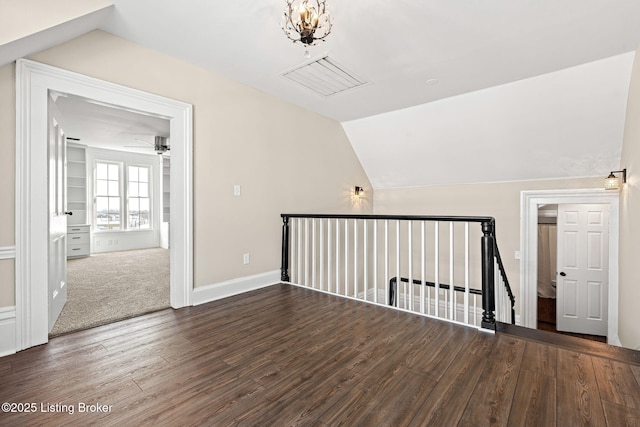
(160, 144)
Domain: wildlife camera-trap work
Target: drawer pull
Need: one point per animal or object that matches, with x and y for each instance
(75, 238)
(75, 249)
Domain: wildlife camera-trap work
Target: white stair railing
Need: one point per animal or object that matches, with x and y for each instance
(421, 264)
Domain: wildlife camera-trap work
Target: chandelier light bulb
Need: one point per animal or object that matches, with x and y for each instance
(306, 21)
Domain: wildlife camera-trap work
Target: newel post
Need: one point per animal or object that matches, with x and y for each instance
(488, 279)
(284, 266)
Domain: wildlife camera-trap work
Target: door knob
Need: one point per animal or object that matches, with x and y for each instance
(68, 213)
(562, 273)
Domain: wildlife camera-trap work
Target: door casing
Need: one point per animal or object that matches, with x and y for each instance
(33, 83)
(529, 202)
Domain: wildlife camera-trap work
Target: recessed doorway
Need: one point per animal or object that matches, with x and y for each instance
(33, 83)
(530, 202)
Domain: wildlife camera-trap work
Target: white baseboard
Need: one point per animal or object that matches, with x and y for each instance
(216, 291)
(614, 340)
(7, 331)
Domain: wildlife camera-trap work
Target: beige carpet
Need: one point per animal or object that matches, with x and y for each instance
(112, 286)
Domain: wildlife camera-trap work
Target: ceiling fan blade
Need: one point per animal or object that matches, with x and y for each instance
(141, 140)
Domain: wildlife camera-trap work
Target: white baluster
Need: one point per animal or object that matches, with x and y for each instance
(386, 259)
(452, 297)
(355, 258)
(375, 261)
(329, 254)
(466, 273)
(346, 257)
(365, 232)
(437, 267)
(313, 253)
(299, 249)
(322, 254)
(423, 278)
(337, 256)
(398, 262)
(410, 243)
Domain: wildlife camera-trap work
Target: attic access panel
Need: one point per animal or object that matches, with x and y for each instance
(324, 76)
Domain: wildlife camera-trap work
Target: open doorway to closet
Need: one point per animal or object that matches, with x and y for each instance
(572, 279)
(531, 202)
(118, 202)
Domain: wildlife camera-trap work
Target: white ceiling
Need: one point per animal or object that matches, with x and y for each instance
(524, 89)
(104, 126)
(396, 46)
(564, 124)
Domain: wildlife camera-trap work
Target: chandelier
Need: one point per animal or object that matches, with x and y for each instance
(306, 21)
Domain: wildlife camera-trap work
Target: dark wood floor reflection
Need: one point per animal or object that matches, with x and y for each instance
(285, 356)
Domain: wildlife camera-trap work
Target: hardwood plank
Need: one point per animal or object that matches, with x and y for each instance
(540, 358)
(490, 403)
(620, 415)
(448, 399)
(617, 383)
(394, 403)
(534, 402)
(578, 394)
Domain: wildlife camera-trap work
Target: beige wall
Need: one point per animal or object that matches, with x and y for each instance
(241, 136)
(7, 179)
(499, 200)
(26, 17)
(629, 323)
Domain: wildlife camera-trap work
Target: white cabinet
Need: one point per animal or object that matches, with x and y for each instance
(78, 241)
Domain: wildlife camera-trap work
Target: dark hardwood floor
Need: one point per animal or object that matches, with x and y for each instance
(285, 356)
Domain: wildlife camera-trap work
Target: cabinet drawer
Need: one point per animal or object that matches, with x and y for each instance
(77, 238)
(78, 229)
(77, 250)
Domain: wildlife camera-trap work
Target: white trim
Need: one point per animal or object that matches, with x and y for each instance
(7, 330)
(216, 291)
(529, 201)
(7, 252)
(33, 81)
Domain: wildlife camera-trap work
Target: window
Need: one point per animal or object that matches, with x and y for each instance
(139, 202)
(122, 196)
(108, 209)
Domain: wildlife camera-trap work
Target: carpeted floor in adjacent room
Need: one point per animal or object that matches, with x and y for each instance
(107, 287)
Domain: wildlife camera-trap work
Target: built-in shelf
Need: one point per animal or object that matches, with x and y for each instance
(76, 185)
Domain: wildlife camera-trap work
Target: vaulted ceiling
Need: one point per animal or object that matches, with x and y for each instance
(501, 78)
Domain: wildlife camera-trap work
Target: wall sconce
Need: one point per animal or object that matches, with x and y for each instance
(612, 182)
(359, 192)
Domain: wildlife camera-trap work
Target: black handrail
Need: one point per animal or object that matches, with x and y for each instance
(507, 286)
(394, 280)
(453, 218)
(489, 253)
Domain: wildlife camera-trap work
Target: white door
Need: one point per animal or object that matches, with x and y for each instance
(57, 289)
(583, 269)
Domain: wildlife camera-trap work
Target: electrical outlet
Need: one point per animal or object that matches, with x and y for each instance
(245, 259)
(517, 254)
(236, 190)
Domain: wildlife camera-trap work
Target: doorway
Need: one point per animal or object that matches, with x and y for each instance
(118, 195)
(572, 272)
(530, 202)
(33, 83)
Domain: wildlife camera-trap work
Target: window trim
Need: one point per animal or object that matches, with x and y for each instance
(124, 160)
(121, 188)
(151, 184)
